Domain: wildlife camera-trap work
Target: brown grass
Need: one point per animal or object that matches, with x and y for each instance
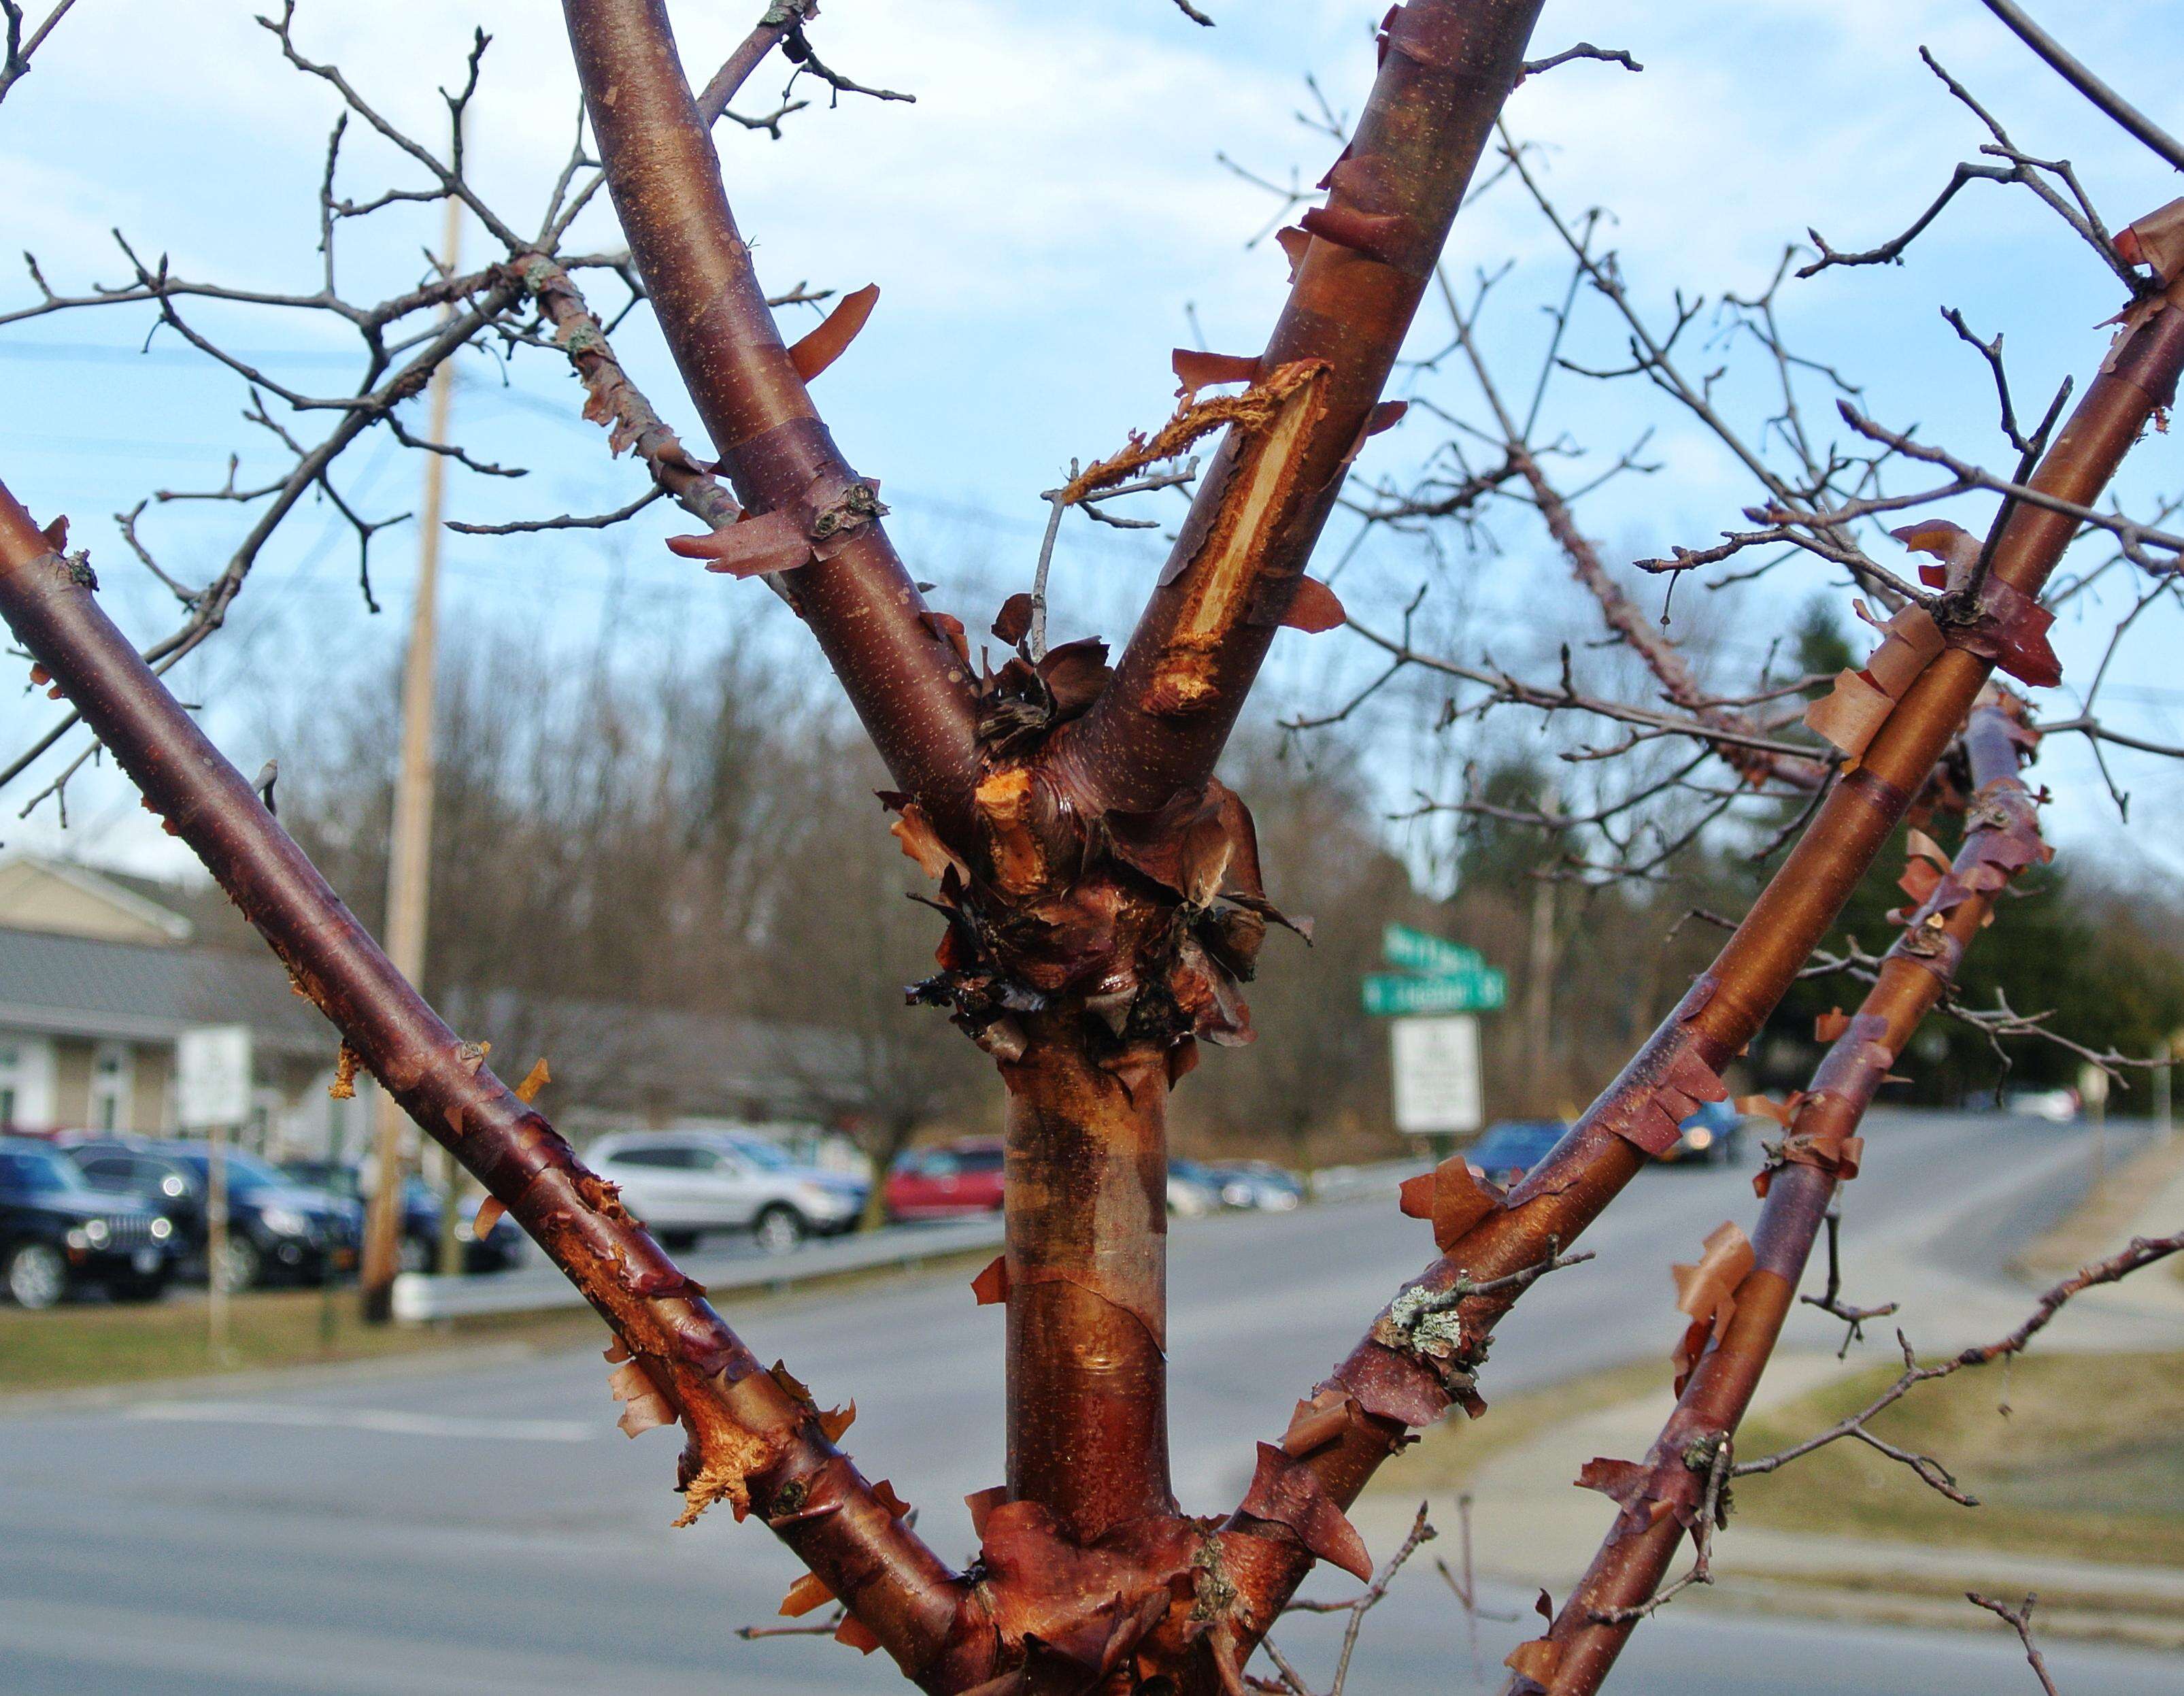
(2085, 1463)
(1450, 1453)
(78, 1347)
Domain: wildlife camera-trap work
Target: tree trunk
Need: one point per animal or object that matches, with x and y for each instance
(1087, 1263)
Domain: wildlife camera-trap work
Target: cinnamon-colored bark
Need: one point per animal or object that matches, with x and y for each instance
(1445, 69)
(908, 684)
(1087, 1279)
(2002, 838)
(749, 1440)
(1104, 904)
(1559, 1198)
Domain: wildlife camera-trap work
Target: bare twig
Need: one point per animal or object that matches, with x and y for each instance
(2143, 1252)
(1532, 67)
(17, 64)
(2019, 1620)
(2073, 72)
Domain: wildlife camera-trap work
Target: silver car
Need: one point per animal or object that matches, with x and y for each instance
(685, 1183)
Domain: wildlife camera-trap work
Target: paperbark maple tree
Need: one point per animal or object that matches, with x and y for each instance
(1103, 896)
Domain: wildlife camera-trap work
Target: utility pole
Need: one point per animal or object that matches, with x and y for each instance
(1539, 996)
(410, 864)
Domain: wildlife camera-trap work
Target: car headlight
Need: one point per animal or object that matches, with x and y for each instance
(95, 1232)
(819, 1199)
(1237, 1195)
(284, 1222)
(162, 1228)
(1699, 1137)
(75, 1237)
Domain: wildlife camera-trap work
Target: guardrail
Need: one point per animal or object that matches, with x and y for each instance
(420, 1298)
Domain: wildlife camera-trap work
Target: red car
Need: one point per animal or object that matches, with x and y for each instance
(953, 1179)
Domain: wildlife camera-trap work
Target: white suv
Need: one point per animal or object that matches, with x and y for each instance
(685, 1182)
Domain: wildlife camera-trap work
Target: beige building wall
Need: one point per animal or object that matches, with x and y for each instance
(71, 1082)
(35, 897)
(151, 1100)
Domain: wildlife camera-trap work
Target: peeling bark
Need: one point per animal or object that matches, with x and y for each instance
(1804, 1172)
(748, 1442)
(1559, 1198)
(909, 688)
(1445, 69)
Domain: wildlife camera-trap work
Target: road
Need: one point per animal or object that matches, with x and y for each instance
(479, 1526)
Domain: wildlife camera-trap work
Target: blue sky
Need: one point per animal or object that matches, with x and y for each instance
(1040, 224)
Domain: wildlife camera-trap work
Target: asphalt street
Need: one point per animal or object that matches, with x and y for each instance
(478, 1525)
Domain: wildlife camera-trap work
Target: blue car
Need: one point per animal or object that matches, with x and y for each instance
(1514, 1146)
(1712, 1136)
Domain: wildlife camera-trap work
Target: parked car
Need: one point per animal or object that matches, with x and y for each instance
(2057, 1107)
(1712, 1136)
(947, 1181)
(418, 1247)
(1512, 1147)
(685, 1183)
(57, 1233)
(1193, 1191)
(1257, 1184)
(277, 1228)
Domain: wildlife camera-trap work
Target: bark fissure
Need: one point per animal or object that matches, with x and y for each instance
(1366, 258)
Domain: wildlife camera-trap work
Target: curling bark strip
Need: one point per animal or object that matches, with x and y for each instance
(909, 686)
(749, 1439)
(1445, 69)
(1397, 1381)
(1662, 1498)
(612, 399)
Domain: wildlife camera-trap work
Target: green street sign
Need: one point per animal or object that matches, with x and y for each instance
(1480, 990)
(1415, 951)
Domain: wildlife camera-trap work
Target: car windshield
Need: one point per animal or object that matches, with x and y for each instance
(1515, 1141)
(246, 1172)
(767, 1156)
(37, 1171)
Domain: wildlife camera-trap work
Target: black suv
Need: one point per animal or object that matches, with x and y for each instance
(275, 1226)
(57, 1233)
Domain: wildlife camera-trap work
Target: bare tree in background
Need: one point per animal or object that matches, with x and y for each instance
(1102, 891)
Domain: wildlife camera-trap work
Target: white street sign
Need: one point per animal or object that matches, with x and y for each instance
(212, 1075)
(1436, 1072)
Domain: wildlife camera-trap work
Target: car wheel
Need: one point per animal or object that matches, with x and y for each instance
(678, 1242)
(132, 1288)
(37, 1277)
(240, 1267)
(778, 1229)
